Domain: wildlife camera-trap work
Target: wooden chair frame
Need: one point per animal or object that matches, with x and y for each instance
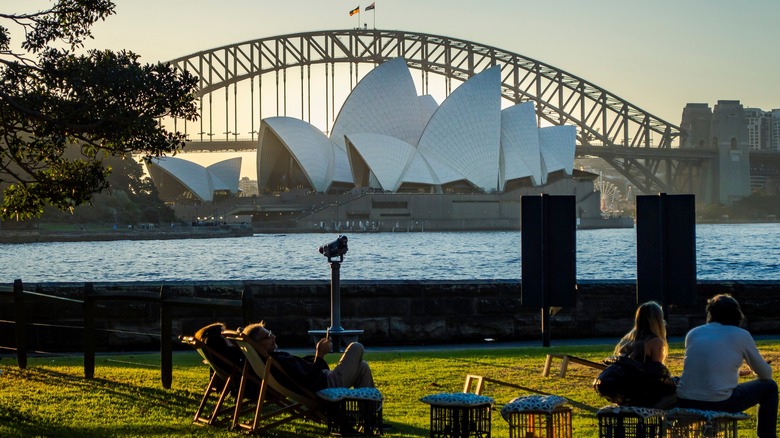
(276, 403)
(218, 374)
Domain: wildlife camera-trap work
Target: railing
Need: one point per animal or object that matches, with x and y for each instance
(166, 300)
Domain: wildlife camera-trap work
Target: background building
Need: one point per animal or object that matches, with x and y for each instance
(727, 129)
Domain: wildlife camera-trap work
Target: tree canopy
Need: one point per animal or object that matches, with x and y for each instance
(64, 112)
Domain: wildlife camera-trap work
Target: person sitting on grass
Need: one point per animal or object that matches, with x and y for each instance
(313, 372)
(714, 352)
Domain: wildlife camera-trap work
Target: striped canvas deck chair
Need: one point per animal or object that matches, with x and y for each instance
(276, 403)
(225, 377)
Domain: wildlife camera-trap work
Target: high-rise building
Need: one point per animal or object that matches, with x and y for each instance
(775, 130)
(759, 129)
(247, 187)
(730, 135)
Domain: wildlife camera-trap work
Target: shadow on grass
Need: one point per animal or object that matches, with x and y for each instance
(574, 403)
(15, 424)
(43, 407)
(120, 409)
(133, 393)
(573, 376)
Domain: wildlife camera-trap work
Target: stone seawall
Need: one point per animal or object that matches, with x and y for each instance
(389, 312)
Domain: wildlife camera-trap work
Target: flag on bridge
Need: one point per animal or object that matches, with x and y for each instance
(354, 11)
(370, 7)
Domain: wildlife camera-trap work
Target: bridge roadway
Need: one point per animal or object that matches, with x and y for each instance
(626, 160)
(769, 161)
(598, 151)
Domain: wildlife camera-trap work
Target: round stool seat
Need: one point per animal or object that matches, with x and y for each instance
(533, 403)
(631, 410)
(338, 394)
(706, 415)
(461, 399)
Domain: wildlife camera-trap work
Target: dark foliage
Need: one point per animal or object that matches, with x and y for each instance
(64, 114)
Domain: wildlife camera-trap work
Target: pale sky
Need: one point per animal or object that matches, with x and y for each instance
(658, 55)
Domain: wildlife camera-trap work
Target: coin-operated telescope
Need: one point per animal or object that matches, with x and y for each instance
(340, 338)
(337, 248)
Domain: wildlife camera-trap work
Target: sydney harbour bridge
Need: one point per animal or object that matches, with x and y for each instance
(306, 75)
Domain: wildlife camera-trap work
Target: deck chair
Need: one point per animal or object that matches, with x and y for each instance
(276, 403)
(225, 377)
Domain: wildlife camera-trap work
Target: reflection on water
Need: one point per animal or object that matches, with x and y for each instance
(724, 252)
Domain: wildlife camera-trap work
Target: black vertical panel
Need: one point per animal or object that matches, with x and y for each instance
(549, 250)
(560, 250)
(680, 249)
(531, 270)
(649, 248)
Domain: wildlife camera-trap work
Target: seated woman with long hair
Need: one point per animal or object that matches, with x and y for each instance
(646, 343)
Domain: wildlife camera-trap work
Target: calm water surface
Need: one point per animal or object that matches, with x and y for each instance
(724, 252)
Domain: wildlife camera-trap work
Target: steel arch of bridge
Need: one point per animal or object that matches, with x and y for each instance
(604, 121)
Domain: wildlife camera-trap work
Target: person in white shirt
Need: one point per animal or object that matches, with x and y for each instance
(714, 352)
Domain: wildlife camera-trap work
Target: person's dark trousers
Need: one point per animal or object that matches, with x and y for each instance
(746, 395)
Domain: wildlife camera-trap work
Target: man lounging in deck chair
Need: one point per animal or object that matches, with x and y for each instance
(314, 373)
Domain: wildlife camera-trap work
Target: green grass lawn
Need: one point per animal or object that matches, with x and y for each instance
(51, 397)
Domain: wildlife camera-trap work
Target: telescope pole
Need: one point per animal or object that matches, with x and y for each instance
(335, 296)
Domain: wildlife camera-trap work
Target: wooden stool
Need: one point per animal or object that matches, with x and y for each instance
(540, 416)
(630, 422)
(698, 423)
(459, 415)
(356, 411)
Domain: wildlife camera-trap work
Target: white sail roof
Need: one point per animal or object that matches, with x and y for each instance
(558, 145)
(283, 137)
(465, 131)
(384, 102)
(201, 181)
(520, 143)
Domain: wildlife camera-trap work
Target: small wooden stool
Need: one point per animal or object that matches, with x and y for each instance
(459, 415)
(353, 411)
(699, 423)
(540, 416)
(630, 422)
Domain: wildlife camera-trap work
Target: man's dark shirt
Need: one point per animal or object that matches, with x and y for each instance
(304, 371)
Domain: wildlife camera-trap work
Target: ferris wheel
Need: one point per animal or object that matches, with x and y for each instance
(610, 196)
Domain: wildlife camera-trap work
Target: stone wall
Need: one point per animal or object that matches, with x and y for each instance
(389, 312)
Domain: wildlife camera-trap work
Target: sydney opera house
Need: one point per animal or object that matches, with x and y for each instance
(398, 160)
(180, 180)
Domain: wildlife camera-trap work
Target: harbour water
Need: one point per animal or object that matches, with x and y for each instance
(724, 252)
